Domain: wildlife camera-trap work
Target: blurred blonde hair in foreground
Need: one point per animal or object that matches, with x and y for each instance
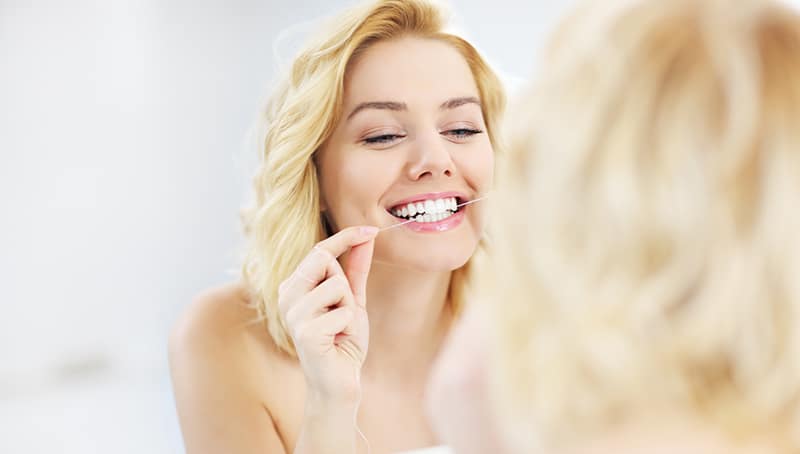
(284, 221)
(646, 258)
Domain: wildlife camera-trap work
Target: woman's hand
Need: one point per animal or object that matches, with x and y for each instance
(324, 309)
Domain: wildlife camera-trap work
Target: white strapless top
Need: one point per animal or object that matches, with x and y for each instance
(431, 450)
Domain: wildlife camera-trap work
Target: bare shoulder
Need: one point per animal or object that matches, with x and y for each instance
(222, 367)
(213, 319)
(216, 314)
(220, 324)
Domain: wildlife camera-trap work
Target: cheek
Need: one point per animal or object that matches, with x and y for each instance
(359, 185)
(367, 179)
(478, 168)
(488, 169)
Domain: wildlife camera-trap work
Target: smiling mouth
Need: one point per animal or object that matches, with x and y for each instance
(429, 210)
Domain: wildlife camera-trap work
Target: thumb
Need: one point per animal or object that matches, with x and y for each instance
(359, 261)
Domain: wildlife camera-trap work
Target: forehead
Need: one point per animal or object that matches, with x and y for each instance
(411, 70)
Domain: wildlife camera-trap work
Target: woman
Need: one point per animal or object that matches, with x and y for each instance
(384, 118)
(643, 288)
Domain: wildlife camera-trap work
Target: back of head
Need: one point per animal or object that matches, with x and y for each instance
(647, 246)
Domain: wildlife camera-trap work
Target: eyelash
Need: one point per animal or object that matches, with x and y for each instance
(381, 139)
(460, 133)
(463, 133)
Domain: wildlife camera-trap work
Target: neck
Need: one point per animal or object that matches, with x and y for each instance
(409, 317)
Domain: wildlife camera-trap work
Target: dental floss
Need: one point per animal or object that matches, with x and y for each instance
(355, 416)
(414, 220)
(358, 375)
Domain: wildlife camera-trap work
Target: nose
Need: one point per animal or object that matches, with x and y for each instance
(430, 159)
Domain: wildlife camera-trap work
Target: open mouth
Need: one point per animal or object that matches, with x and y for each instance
(428, 210)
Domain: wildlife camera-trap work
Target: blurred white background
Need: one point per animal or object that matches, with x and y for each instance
(123, 164)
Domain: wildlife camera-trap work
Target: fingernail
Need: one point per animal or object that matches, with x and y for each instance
(368, 230)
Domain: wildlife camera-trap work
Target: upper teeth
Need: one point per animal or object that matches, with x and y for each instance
(426, 207)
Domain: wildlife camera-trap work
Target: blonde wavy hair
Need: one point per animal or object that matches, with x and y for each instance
(284, 221)
(646, 253)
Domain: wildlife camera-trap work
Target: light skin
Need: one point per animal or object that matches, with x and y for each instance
(412, 124)
(458, 397)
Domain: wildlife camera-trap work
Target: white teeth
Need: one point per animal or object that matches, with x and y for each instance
(444, 207)
(435, 217)
(430, 206)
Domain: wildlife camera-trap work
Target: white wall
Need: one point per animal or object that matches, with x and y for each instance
(122, 167)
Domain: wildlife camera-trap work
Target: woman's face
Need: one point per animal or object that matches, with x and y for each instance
(411, 139)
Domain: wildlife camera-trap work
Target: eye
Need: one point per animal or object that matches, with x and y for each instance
(462, 133)
(383, 139)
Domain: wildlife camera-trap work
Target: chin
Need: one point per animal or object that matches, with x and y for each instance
(434, 264)
(437, 258)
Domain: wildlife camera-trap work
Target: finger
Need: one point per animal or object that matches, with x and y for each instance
(320, 263)
(343, 240)
(315, 268)
(359, 261)
(333, 291)
(332, 323)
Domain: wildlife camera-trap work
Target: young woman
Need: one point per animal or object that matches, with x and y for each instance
(644, 295)
(383, 118)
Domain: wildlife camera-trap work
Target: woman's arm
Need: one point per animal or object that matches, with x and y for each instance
(328, 427)
(217, 389)
(217, 386)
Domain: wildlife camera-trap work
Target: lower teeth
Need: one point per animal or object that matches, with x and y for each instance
(425, 218)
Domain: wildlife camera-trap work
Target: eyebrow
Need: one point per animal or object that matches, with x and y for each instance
(382, 105)
(400, 106)
(458, 102)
